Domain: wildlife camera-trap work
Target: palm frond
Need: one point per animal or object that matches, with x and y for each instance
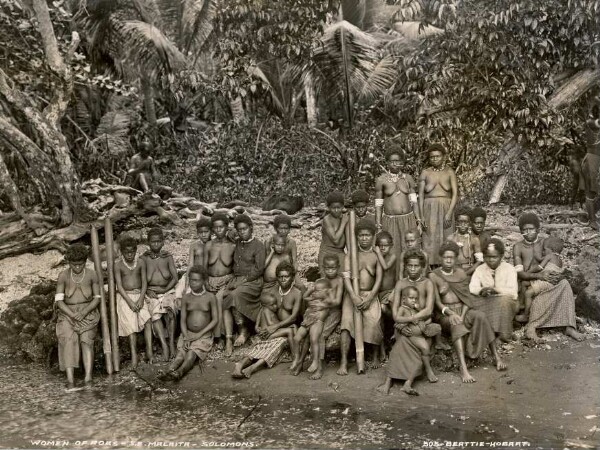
(146, 47)
(381, 76)
(112, 133)
(367, 14)
(197, 21)
(282, 82)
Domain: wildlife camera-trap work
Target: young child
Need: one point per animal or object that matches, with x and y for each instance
(313, 324)
(196, 254)
(132, 309)
(77, 299)
(552, 262)
(420, 329)
(277, 254)
(283, 224)
(268, 350)
(333, 239)
(470, 256)
(360, 200)
(198, 320)
(411, 241)
(218, 261)
(162, 278)
(331, 267)
(388, 261)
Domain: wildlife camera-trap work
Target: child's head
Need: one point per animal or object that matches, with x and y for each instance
(411, 239)
(478, 217)
(414, 262)
(219, 224)
(76, 256)
(335, 204)
(278, 244)
(156, 239)
(282, 225)
(360, 200)
(269, 301)
(128, 246)
(243, 225)
(410, 297)
(197, 277)
(553, 244)
(285, 273)
(145, 148)
(203, 229)
(322, 287)
(384, 241)
(331, 266)
(462, 217)
(365, 232)
(448, 253)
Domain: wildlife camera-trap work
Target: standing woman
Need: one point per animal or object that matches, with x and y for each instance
(245, 287)
(438, 194)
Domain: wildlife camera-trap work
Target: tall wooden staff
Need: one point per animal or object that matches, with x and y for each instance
(103, 314)
(112, 303)
(358, 323)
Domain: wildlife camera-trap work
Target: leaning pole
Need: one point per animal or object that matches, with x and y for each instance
(358, 323)
(103, 313)
(112, 303)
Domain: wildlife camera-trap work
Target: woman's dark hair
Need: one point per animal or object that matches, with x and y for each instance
(529, 218)
(493, 244)
(449, 246)
(285, 266)
(77, 253)
(242, 218)
(415, 253)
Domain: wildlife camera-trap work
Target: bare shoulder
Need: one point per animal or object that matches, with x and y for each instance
(91, 275)
(63, 276)
(424, 173)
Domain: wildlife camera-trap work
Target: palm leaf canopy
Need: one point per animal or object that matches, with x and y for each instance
(350, 59)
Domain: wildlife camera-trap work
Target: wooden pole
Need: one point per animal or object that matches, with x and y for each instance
(358, 323)
(112, 303)
(103, 313)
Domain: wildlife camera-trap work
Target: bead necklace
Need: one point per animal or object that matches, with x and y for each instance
(415, 281)
(447, 273)
(283, 294)
(370, 249)
(82, 277)
(442, 167)
(198, 293)
(135, 261)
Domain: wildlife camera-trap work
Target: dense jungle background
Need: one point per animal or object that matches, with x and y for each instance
(244, 98)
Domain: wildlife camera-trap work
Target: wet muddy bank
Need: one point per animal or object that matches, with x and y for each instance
(537, 401)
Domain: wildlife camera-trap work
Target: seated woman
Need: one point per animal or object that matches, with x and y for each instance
(470, 330)
(243, 291)
(554, 307)
(496, 288)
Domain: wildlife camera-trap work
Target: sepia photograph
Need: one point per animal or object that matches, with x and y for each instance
(299, 224)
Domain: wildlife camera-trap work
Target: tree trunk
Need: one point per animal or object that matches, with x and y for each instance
(149, 106)
(567, 94)
(311, 101)
(237, 110)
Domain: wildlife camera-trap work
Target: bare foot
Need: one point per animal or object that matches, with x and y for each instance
(343, 370)
(88, 382)
(409, 390)
(294, 365)
(313, 367)
(219, 345)
(237, 372)
(384, 388)
(161, 375)
(500, 365)
(375, 363)
(317, 375)
(572, 333)
(134, 362)
(531, 334)
(241, 340)
(431, 377)
(522, 318)
(466, 376)
(441, 345)
(172, 352)
(228, 347)
(247, 372)
(297, 370)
